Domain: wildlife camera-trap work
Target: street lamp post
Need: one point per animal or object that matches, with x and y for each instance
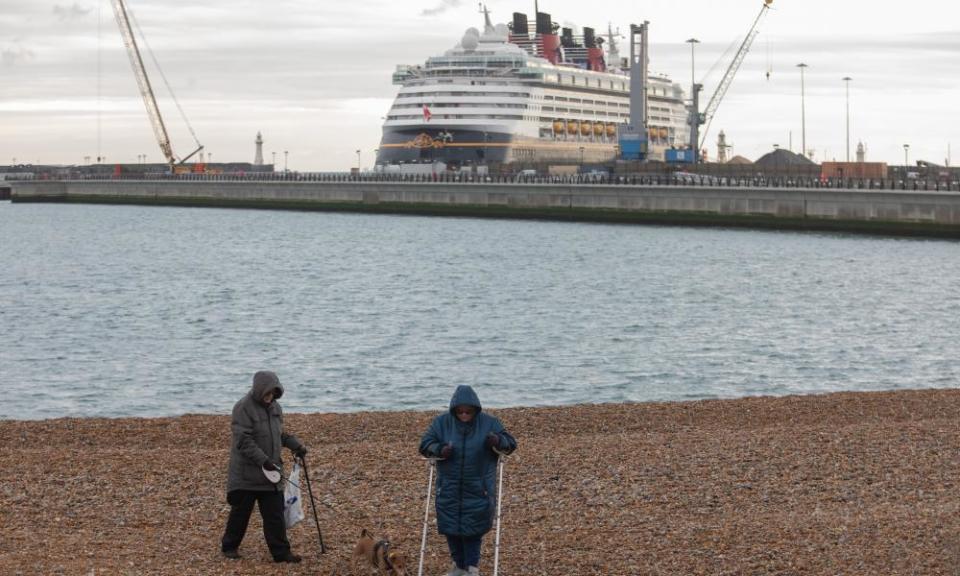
(358, 161)
(694, 117)
(906, 156)
(286, 155)
(581, 159)
(803, 111)
(846, 80)
(693, 77)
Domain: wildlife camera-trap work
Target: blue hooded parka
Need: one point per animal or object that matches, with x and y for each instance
(466, 481)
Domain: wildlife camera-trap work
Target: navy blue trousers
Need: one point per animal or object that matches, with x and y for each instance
(465, 550)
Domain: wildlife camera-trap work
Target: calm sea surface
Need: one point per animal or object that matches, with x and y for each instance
(142, 311)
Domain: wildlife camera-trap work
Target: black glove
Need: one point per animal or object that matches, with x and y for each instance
(269, 466)
(447, 450)
(493, 440)
(300, 452)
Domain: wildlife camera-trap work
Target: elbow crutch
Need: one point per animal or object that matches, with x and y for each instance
(432, 463)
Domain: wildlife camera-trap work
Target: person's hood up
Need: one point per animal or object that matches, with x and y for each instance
(263, 382)
(465, 396)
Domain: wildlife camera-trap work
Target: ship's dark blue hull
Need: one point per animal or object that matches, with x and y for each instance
(452, 146)
(472, 147)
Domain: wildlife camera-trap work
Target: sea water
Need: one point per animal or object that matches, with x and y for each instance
(152, 311)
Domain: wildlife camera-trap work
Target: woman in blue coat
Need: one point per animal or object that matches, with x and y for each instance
(464, 439)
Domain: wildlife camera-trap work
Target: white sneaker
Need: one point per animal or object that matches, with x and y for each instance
(454, 571)
(472, 571)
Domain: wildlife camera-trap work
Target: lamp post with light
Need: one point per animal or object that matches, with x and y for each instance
(693, 77)
(846, 80)
(803, 112)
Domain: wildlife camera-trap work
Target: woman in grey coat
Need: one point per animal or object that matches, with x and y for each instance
(258, 436)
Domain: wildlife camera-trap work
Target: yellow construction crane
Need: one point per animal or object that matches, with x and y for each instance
(146, 90)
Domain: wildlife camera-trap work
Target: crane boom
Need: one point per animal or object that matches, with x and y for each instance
(727, 79)
(146, 90)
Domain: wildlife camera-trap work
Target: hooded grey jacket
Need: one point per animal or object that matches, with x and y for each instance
(257, 436)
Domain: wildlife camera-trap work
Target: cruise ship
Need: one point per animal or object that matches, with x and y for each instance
(524, 95)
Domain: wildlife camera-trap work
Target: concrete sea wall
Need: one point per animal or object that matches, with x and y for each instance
(870, 211)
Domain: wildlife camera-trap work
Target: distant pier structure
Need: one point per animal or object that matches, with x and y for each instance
(258, 158)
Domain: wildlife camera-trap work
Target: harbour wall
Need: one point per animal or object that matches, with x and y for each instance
(5, 191)
(865, 211)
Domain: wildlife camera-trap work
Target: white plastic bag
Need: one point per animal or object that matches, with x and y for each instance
(292, 504)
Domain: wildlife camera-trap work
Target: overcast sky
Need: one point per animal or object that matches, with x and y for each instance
(314, 76)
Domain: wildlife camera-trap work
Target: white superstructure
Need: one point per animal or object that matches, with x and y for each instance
(519, 97)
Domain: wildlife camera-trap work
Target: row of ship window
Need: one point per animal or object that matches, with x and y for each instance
(418, 106)
(408, 95)
(525, 95)
(543, 119)
(651, 90)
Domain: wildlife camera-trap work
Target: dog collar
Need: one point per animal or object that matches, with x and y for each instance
(385, 545)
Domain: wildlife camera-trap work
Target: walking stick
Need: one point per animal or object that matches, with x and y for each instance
(426, 515)
(501, 459)
(323, 549)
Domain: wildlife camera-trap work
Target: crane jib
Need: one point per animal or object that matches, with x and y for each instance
(122, 15)
(707, 116)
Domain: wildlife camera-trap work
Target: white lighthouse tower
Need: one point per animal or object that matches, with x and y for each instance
(258, 159)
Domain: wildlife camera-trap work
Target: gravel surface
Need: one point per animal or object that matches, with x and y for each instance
(851, 483)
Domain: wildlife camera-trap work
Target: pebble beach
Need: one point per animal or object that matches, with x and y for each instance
(846, 483)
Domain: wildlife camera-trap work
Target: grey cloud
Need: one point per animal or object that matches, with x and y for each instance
(441, 8)
(73, 12)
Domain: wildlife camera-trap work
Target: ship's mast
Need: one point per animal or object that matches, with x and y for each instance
(487, 24)
(613, 51)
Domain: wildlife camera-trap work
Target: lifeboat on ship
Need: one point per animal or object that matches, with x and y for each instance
(598, 129)
(558, 127)
(611, 130)
(573, 127)
(586, 128)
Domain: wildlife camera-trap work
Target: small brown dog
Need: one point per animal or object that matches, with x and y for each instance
(376, 557)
